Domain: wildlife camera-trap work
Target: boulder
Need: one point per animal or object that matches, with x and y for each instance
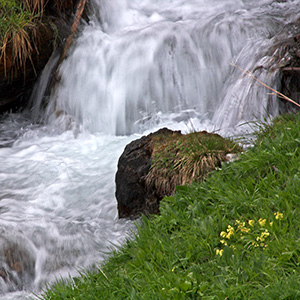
(151, 167)
(133, 195)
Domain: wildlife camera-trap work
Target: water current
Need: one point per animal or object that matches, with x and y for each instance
(136, 66)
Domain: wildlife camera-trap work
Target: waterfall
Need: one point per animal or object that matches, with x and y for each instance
(135, 67)
(140, 63)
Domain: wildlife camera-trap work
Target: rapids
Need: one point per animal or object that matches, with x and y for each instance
(136, 66)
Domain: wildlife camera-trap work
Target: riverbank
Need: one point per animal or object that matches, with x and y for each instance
(234, 236)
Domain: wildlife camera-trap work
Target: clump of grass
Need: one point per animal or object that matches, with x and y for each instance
(18, 30)
(21, 22)
(174, 254)
(181, 159)
(36, 7)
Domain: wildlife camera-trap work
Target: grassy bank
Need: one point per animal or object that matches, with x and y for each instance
(235, 236)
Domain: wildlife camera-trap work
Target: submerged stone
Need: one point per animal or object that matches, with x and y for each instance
(17, 266)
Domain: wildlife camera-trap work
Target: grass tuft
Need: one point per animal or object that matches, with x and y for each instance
(20, 24)
(36, 7)
(18, 29)
(182, 159)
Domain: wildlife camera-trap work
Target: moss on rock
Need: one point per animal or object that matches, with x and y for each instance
(182, 159)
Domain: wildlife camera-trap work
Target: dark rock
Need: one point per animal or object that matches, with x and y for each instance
(16, 84)
(285, 55)
(17, 265)
(133, 195)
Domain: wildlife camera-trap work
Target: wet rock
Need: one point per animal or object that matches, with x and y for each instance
(17, 266)
(133, 195)
(16, 84)
(285, 56)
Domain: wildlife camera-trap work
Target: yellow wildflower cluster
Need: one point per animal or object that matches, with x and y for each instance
(278, 216)
(241, 226)
(262, 222)
(219, 252)
(228, 233)
(260, 240)
(242, 233)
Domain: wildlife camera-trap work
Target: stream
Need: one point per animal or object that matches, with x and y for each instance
(135, 67)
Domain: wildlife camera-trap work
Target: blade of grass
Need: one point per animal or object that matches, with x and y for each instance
(282, 96)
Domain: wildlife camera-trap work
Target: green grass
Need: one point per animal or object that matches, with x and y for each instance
(182, 253)
(12, 16)
(18, 29)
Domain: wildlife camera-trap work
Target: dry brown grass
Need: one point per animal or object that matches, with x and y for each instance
(36, 7)
(20, 21)
(183, 159)
(18, 35)
(20, 43)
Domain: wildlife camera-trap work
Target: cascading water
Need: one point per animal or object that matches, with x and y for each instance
(137, 66)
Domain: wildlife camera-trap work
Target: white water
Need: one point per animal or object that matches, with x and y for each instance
(137, 66)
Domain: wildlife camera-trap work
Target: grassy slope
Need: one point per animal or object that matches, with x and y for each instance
(175, 255)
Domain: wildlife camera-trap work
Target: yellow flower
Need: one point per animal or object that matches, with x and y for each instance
(263, 236)
(262, 222)
(241, 226)
(219, 252)
(223, 234)
(224, 242)
(245, 229)
(251, 222)
(229, 235)
(230, 231)
(278, 215)
(271, 224)
(229, 228)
